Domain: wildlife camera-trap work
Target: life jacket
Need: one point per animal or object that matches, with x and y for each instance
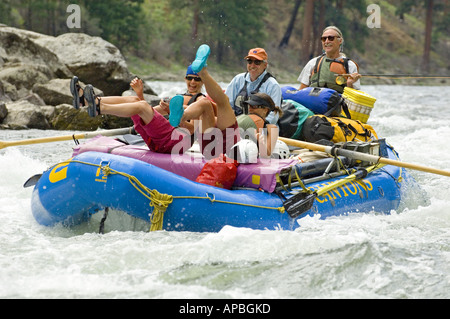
(325, 70)
(239, 106)
(248, 127)
(336, 129)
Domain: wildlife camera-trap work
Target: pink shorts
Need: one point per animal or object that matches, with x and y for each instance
(161, 137)
(218, 142)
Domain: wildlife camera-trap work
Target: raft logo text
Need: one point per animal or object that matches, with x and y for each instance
(234, 308)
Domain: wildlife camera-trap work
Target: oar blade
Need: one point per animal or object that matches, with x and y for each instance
(32, 181)
(299, 204)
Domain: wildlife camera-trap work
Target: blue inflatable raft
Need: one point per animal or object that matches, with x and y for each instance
(161, 189)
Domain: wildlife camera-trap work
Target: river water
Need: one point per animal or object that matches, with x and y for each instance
(402, 255)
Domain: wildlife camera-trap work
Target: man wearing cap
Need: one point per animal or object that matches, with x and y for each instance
(324, 70)
(256, 79)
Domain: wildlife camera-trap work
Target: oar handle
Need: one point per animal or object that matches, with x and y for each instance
(120, 131)
(362, 156)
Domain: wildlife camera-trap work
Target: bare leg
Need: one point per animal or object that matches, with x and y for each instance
(119, 99)
(225, 114)
(141, 108)
(203, 110)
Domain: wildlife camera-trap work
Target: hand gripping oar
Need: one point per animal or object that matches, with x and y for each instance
(362, 156)
(303, 201)
(120, 131)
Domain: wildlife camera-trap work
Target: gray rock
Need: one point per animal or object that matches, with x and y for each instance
(23, 46)
(92, 59)
(3, 112)
(57, 91)
(24, 115)
(23, 75)
(35, 73)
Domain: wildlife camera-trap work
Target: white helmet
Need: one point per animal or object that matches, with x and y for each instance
(281, 150)
(244, 151)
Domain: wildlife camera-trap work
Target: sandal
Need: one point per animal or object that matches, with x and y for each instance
(176, 110)
(93, 107)
(200, 58)
(75, 90)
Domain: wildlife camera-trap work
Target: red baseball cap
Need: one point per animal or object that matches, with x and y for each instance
(258, 54)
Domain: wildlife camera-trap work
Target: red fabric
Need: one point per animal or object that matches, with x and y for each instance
(219, 172)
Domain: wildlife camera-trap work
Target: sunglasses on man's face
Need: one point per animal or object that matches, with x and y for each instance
(330, 38)
(195, 78)
(257, 62)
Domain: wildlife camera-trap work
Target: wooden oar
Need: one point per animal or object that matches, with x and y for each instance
(120, 131)
(362, 156)
(399, 76)
(340, 78)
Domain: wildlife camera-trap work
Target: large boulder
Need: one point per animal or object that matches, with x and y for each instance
(67, 118)
(35, 73)
(22, 47)
(24, 115)
(92, 59)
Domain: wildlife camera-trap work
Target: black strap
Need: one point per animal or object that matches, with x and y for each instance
(194, 97)
(265, 122)
(337, 106)
(264, 79)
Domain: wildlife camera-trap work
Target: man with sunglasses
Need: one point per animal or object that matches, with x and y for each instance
(256, 79)
(323, 70)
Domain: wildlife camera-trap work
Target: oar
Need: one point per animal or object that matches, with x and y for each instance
(340, 78)
(362, 156)
(120, 131)
(400, 76)
(303, 201)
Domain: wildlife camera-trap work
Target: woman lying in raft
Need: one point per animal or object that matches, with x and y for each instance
(218, 132)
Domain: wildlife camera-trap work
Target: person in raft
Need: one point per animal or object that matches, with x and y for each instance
(256, 79)
(252, 125)
(260, 106)
(194, 87)
(323, 71)
(165, 136)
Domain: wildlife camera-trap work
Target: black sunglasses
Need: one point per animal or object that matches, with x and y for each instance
(330, 38)
(195, 78)
(257, 62)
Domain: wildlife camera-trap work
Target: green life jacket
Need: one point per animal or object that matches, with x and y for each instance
(325, 70)
(247, 126)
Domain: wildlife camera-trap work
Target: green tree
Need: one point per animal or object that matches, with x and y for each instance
(436, 20)
(120, 20)
(6, 12)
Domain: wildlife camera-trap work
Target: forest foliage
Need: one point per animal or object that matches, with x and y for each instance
(164, 31)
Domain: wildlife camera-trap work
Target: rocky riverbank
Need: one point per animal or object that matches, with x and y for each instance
(35, 73)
